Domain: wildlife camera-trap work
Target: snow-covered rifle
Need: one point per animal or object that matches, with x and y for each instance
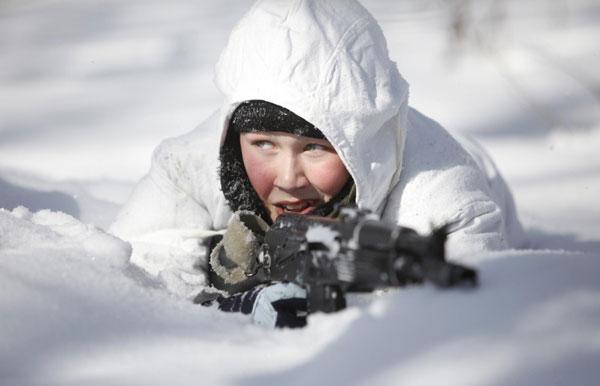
(356, 253)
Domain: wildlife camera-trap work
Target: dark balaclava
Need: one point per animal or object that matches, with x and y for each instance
(258, 115)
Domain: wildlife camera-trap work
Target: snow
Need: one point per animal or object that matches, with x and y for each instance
(324, 235)
(88, 89)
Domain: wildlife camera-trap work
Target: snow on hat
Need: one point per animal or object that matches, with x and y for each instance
(258, 115)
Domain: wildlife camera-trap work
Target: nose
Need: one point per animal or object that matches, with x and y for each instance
(290, 173)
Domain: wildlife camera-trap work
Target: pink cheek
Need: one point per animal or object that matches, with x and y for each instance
(329, 178)
(260, 176)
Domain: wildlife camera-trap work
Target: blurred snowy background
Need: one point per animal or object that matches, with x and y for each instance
(89, 88)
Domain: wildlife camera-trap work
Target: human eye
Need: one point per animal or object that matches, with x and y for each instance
(315, 147)
(263, 144)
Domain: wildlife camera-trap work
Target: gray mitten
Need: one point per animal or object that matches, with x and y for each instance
(235, 255)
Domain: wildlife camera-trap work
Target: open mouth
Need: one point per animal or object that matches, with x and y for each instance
(302, 207)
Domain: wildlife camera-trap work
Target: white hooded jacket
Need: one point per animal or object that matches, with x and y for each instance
(327, 61)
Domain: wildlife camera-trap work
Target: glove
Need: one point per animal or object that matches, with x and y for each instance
(275, 305)
(235, 255)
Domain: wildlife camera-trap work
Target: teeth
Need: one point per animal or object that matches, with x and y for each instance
(296, 208)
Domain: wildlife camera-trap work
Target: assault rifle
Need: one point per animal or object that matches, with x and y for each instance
(356, 253)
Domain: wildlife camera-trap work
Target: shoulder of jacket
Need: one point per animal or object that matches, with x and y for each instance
(430, 149)
(187, 160)
(199, 145)
(438, 175)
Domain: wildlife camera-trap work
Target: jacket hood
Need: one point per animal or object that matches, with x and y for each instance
(327, 61)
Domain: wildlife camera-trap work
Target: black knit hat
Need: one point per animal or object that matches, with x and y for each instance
(253, 116)
(258, 115)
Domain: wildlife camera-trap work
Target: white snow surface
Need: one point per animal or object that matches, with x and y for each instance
(89, 88)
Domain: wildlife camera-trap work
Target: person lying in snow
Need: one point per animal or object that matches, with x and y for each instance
(315, 113)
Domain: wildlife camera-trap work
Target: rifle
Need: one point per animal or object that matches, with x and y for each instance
(355, 253)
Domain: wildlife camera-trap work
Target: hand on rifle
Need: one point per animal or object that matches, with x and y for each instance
(270, 305)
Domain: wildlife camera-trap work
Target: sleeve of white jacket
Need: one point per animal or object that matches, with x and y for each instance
(476, 222)
(456, 197)
(447, 182)
(167, 219)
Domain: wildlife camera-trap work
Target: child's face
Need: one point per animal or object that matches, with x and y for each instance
(292, 173)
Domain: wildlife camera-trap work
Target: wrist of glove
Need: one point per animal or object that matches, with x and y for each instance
(274, 305)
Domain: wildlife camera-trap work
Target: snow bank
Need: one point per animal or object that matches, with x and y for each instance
(21, 229)
(77, 314)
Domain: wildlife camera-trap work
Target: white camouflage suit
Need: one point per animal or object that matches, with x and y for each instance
(327, 61)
